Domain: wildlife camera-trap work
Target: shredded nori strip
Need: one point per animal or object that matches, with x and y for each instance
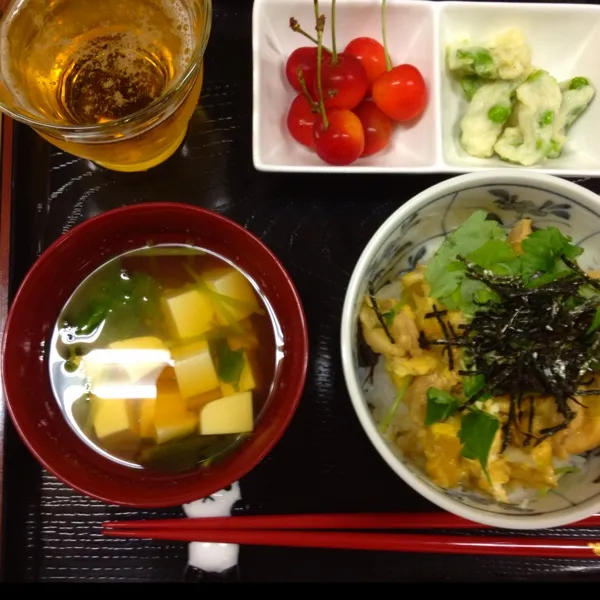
(366, 357)
(378, 313)
(446, 330)
(531, 342)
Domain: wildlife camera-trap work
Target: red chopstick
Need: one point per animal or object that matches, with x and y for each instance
(442, 544)
(437, 520)
(259, 530)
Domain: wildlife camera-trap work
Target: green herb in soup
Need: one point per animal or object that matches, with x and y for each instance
(163, 358)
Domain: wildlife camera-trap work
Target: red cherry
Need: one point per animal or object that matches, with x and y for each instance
(344, 82)
(300, 121)
(376, 125)
(306, 58)
(342, 141)
(401, 93)
(371, 54)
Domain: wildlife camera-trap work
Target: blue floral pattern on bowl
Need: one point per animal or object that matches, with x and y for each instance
(416, 239)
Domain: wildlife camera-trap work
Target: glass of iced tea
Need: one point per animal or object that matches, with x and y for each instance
(112, 81)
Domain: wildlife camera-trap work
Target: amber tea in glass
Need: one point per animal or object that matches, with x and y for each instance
(113, 81)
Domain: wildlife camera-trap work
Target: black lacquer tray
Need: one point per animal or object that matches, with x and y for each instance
(317, 225)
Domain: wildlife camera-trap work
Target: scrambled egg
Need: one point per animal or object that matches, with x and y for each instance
(437, 448)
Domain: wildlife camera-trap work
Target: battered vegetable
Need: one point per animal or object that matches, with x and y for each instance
(515, 111)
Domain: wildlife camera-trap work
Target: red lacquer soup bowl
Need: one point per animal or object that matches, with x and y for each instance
(44, 292)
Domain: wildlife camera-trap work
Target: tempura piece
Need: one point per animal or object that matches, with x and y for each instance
(518, 233)
(577, 94)
(539, 101)
(482, 124)
(505, 56)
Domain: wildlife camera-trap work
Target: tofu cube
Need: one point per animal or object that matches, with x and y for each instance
(167, 377)
(197, 402)
(233, 414)
(172, 419)
(143, 358)
(114, 420)
(246, 383)
(146, 411)
(194, 369)
(189, 313)
(105, 379)
(231, 283)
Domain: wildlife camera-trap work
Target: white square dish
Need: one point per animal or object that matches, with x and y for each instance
(411, 38)
(418, 33)
(564, 40)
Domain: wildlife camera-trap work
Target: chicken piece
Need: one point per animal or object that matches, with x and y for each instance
(374, 334)
(518, 233)
(583, 433)
(416, 293)
(415, 281)
(405, 331)
(416, 394)
(409, 441)
(402, 328)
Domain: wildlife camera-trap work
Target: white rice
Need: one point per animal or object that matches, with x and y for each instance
(380, 393)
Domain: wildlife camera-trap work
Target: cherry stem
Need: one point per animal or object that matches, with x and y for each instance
(334, 56)
(320, 27)
(314, 106)
(295, 26)
(388, 61)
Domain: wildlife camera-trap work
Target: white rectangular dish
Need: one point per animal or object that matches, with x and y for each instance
(564, 40)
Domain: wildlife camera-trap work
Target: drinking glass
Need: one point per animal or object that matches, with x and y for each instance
(112, 81)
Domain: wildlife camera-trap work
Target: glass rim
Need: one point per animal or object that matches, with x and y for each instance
(152, 110)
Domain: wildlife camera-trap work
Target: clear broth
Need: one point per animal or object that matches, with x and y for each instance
(145, 405)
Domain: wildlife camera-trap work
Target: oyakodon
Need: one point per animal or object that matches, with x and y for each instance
(395, 328)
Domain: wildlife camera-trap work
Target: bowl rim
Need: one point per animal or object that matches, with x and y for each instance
(109, 218)
(493, 176)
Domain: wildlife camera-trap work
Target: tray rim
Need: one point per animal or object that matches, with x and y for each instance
(10, 141)
(6, 164)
